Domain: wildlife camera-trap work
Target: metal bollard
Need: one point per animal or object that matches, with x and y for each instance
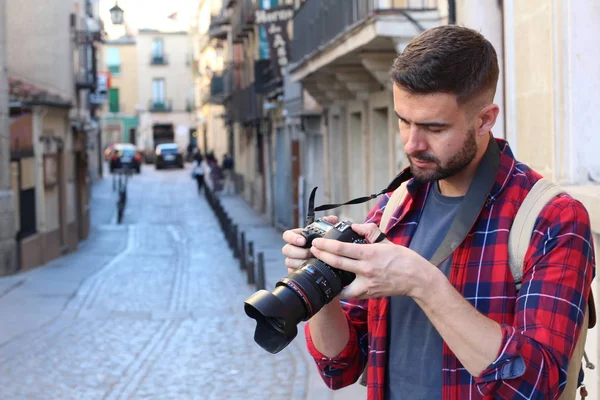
(228, 231)
(242, 250)
(250, 265)
(221, 216)
(260, 271)
(234, 237)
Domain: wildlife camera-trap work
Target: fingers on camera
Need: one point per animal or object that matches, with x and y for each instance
(293, 236)
(293, 263)
(295, 252)
(332, 219)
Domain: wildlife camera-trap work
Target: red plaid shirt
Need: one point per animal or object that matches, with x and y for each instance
(539, 324)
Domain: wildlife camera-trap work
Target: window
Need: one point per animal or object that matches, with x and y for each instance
(157, 48)
(113, 100)
(158, 93)
(113, 60)
(158, 54)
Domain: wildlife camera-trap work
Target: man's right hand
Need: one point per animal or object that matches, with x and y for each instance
(328, 327)
(295, 254)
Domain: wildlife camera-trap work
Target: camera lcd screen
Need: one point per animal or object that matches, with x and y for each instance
(323, 225)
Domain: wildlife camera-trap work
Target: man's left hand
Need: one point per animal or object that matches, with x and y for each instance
(382, 269)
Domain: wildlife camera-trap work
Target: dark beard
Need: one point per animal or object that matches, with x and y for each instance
(456, 164)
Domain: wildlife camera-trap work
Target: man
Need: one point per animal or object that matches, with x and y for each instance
(457, 330)
(228, 186)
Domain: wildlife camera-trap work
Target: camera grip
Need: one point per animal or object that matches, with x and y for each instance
(309, 236)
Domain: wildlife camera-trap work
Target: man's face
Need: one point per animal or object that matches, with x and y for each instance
(438, 139)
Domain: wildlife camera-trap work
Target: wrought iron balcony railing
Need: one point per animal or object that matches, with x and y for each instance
(242, 19)
(219, 25)
(319, 21)
(158, 59)
(158, 105)
(221, 86)
(245, 106)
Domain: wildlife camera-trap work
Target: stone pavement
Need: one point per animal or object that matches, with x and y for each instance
(150, 309)
(268, 240)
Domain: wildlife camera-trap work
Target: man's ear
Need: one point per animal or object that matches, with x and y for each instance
(487, 119)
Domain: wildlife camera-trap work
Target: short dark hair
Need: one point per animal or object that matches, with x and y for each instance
(449, 59)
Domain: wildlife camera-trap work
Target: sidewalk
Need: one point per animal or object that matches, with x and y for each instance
(37, 297)
(268, 240)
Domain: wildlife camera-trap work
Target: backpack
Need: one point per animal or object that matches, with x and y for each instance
(520, 234)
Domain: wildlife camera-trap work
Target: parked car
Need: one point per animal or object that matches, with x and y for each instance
(168, 154)
(125, 155)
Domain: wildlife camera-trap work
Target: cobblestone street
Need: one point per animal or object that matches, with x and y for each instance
(150, 309)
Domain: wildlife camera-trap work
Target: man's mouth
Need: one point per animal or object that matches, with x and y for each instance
(421, 163)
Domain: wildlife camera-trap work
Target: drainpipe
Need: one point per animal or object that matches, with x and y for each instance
(451, 12)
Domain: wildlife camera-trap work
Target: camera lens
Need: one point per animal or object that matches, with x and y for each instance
(298, 296)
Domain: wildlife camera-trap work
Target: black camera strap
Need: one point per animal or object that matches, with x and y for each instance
(395, 184)
(467, 213)
(472, 204)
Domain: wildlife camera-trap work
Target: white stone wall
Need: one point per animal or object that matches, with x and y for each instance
(7, 217)
(40, 49)
(581, 87)
(488, 21)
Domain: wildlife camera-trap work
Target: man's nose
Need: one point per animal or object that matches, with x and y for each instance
(416, 141)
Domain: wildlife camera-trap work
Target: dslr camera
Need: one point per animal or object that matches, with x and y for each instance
(302, 293)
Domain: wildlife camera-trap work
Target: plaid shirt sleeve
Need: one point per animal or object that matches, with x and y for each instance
(557, 274)
(345, 369)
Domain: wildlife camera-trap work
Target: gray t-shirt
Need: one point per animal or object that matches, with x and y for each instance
(414, 366)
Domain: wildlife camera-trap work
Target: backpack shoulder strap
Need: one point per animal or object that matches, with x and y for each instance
(520, 234)
(392, 204)
(518, 242)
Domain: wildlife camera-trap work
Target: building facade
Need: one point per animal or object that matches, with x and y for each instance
(165, 89)
(346, 70)
(254, 106)
(8, 261)
(210, 50)
(120, 119)
(54, 127)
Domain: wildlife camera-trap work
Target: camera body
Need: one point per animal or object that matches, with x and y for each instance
(302, 293)
(315, 230)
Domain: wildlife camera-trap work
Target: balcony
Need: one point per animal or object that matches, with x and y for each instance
(160, 105)
(245, 106)
(219, 25)
(158, 59)
(344, 48)
(318, 22)
(242, 20)
(221, 86)
(85, 80)
(217, 87)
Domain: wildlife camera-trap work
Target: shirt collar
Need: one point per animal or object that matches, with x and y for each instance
(507, 166)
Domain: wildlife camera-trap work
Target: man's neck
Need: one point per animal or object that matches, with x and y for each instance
(458, 184)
